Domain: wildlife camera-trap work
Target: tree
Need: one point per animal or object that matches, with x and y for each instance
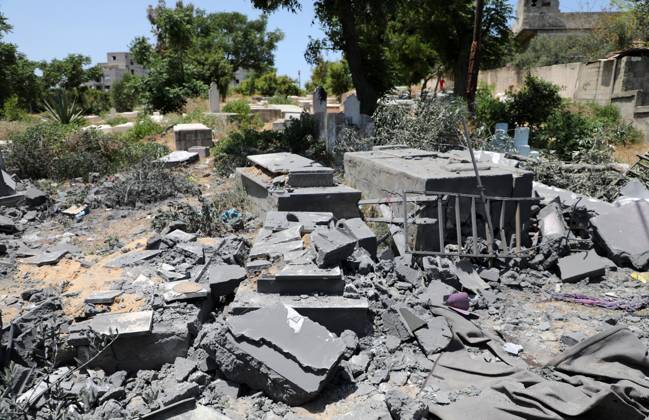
(122, 94)
(193, 49)
(269, 84)
(430, 33)
(334, 76)
(17, 77)
(69, 73)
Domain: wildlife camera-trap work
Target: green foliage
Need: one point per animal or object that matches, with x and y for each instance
(62, 107)
(299, 137)
(144, 127)
(116, 120)
(489, 110)
(281, 100)
(245, 117)
(69, 73)
(123, 94)
(547, 50)
(95, 101)
(11, 110)
(269, 84)
(333, 76)
(534, 102)
(57, 151)
(193, 49)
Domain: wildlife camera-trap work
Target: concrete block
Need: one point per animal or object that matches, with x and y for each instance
(365, 237)
(179, 158)
(125, 324)
(183, 290)
(303, 279)
(333, 245)
(624, 234)
(106, 297)
(336, 313)
(283, 163)
(580, 265)
(202, 151)
(188, 135)
(311, 177)
(225, 278)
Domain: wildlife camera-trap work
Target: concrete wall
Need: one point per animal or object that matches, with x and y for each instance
(563, 75)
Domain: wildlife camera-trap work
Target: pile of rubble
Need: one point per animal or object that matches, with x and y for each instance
(318, 316)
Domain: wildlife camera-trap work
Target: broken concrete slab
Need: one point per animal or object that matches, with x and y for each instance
(76, 212)
(193, 250)
(332, 245)
(202, 151)
(46, 258)
(106, 297)
(183, 367)
(180, 236)
(270, 244)
(570, 199)
(551, 223)
(280, 352)
(435, 337)
(623, 233)
(125, 324)
(179, 158)
(303, 279)
(7, 184)
(225, 278)
(468, 277)
(132, 257)
(7, 225)
(410, 319)
(580, 265)
(336, 313)
(35, 197)
(357, 228)
(635, 189)
(280, 220)
(283, 162)
(183, 290)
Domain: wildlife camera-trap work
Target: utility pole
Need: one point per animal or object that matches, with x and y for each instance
(474, 57)
(299, 79)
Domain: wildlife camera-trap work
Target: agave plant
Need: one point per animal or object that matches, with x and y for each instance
(63, 108)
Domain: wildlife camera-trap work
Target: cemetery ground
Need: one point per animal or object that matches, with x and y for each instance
(174, 290)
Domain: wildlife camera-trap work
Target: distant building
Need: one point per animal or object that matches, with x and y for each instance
(118, 64)
(544, 17)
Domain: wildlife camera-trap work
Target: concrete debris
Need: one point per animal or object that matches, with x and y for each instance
(179, 157)
(132, 258)
(333, 246)
(7, 184)
(580, 265)
(124, 324)
(35, 197)
(624, 233)
(7, 225)
(278, 351)
(635, 189)
(551, 223)
(365, 238)
(183, 290)
(469, 278)
(106, 297)
(180, 236)
(46, 258)
(225, 278)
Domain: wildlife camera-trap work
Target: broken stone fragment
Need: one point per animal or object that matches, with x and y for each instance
(35, 197)
(551, 223)
(435, 336)
(132, 257)
(183, 290)
(276, 350)
(124, 324)
(225, 278)
(624, 234)
(179, 236)
(580, 265)
(333, 245)
(405, 271)
(46, 258)
(183, 368)
(7, 184)
(7, 225)
(357, 228)
(469, 278)
(104, 297)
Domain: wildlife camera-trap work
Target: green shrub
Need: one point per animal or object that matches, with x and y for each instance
(123, 95)
(62, 107)
(533, 104)
(281, 100)
(11, 110)
(116, 120)
(57, 151)
(489, 110)
(144, 127)
(245, 117)
(95, 101)
(299, 137)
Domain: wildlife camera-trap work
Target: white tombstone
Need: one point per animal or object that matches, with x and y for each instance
(352, 110)
(215, 98)
(319, 101)
(521, 139)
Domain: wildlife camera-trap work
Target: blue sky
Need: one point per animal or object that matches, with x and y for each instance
(46, 29)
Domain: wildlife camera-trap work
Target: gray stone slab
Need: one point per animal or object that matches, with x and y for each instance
(125, 324)
(7, 184)
(410, 319)
(202, 151)
(333, 245)
(188, 135)
(46, 258)
(569, 199)
(279, 220)
(193, 250)
(436, 291)
(336, 313)
(183, 290)
(106, 297)
(311, 177)
(179, 157)
(7, 225)
(309, 343)
(296, 272)
(635, 189)
(132, 257)
(551, 223)
(282, 163)
(275, 244)
(435, 337)
(180, 236)
(469, 277)
(256, 266)
(624, 234)
(225, 278)
(303, 279)
(357, 228)
(580, 265)
(35, 197)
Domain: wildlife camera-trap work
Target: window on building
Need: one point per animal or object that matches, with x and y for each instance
(114, 58)
(132, 71)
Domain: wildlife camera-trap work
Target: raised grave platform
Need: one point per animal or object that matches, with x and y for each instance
(289, 182)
